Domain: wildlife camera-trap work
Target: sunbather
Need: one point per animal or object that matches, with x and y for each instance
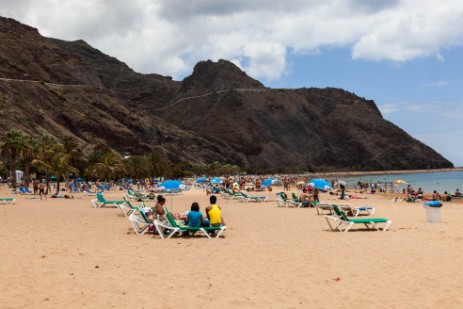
(305, 198)
(195, 217)
(214, 212)
(158, 208)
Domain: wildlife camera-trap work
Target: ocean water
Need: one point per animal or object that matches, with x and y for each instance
(439, 181)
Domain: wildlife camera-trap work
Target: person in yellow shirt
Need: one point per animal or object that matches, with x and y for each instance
(214, 212)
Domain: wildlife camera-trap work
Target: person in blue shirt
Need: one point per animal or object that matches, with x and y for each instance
(195, 217)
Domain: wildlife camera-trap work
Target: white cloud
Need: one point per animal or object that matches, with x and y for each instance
(388, 108)
(440, 83)
(170, 36)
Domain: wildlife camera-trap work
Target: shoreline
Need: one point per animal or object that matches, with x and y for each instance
(367, 173)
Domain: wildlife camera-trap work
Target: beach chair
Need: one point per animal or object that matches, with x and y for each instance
(282, 200)
(7, 200)
(324, 208)
(343, 224)
(176, 227)
(244, 198)
(141, 224)
(356, 211)
(24, 190)
(298, 203)
(88, 192)
(227, 194)
(127, 208)
(101, 201)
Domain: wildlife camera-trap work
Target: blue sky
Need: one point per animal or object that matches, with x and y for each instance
(423, 96)
(406, 55)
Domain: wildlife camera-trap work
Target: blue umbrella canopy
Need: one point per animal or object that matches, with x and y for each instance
(320, 184)
(172, 185)
(269, 182)
(215, 180)
(201, 180)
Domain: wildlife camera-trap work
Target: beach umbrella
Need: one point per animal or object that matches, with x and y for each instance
(201, 180)
(400, 181)
(269, 182)
(320, 184)
(79, 179)
(172, 185)
(215, 180)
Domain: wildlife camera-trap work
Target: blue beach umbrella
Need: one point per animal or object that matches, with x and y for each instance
(215, 180)
(201, 180)
(172, 185)
(269, 182)
(320, 184)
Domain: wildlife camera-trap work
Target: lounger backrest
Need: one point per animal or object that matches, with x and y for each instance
(142, 214)
(340, 213)
(283, 196)
(170, 217)
(295, 198)
(100, 198)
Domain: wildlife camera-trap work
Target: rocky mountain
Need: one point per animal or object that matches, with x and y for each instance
(218, 113)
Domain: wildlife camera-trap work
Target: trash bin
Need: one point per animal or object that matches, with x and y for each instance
(433, 211)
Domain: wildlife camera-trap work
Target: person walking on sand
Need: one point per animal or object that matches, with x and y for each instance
(42, 191)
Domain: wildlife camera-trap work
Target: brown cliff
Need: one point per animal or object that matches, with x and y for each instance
(216, 114)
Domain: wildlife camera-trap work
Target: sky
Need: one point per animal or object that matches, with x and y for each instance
(406, 55)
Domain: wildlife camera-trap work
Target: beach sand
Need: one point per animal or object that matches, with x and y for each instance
(66, 254)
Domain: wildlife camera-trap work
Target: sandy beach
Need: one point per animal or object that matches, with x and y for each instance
(66, 254)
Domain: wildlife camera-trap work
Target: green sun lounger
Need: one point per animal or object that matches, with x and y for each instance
(7, 200)
(101, 201)
(244, 198)
(176, 227)
(343, 224)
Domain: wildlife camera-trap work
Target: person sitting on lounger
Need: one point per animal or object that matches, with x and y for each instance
(159, 207)
(214, 212)
(195, 217)
(305, 198)
(457, 193)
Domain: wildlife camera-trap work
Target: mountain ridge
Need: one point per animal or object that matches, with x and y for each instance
(218, 113)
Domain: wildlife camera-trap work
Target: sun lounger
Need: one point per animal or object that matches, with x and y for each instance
(176, 227)
(141, 224)
(356, 211)
(24, 190)
(101, 201)
(343, 224)
(88, 192)
(127, 208)
(324, 208)
(282, 200)
(244, 198)
(7, 200)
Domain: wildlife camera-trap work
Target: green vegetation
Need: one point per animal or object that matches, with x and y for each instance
(47, 156)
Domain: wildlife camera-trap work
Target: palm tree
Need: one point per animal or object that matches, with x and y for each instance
(28, 155)
(160, 165)
(104, 164)
(60, 164)
(73, 149)
(46, 156)
(13, 145)
(138, 167)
